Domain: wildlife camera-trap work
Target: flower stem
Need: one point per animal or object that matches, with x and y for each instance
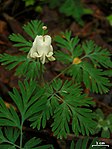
(41, 78)
(21, 135)
(61, 73)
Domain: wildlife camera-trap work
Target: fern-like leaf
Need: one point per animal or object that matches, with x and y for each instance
(90, 57)
(93, 78)
(31, 100)
(11, 61)
(82, 122)
(34, 143)
(34, 28)
(8, 117)
(69, 102)
(71, 45)
(85, 143)
(50, 106)
(96, 54)
(12, 134)
(64, 102)
(60, 125)
(8, 137)
(25, 67)
(21, 42)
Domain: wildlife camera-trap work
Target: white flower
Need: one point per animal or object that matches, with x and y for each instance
(42, 48)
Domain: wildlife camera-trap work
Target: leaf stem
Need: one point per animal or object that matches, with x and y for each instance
(21, 135)
(12, 144)
(61, 73)
(84, 57)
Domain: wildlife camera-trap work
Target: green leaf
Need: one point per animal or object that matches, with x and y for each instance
(34, 142)
(96, 54)
(93, 78)
(65, 88)
(72, 146)
(61, 119)
(77, 51)
(24, 67)
(21, 42)
(16, 97)
(68, 43)
(76, 72)
(29, 2)
(34, 28)
(62, 41)
(63, 57)
(51, 105)
(7, 146)
(71, 102)
(91, 58)
(109, 18)
(8, 137)
(109, 118)
(85, 143)
(62, 98)
(11, 61)
(46, 114)
(108, 72)
(12, 134)
(2, 138)
(28, 69)
(78, 144)
(8, 117)
(99, 83)
(83, 121)
(31, 100)
(105, 133)
(99, 114)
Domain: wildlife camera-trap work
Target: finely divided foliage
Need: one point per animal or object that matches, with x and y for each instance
(8, 136)
(8, 117)
(21, 42)
(84, 144)
(29, 102)
(32, 29)
(92, 58)
(63, 104)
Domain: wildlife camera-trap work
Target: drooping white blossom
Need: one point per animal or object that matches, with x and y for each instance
(41, 49)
